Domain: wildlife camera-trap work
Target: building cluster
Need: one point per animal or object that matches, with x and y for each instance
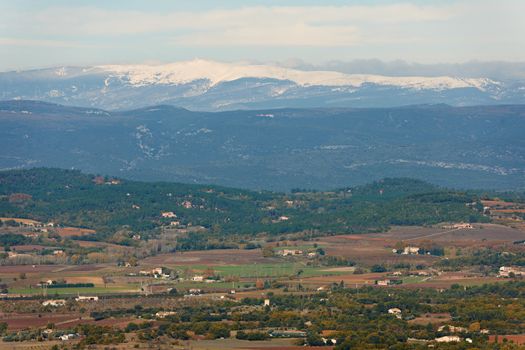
(157, 272)
(408, 250)
(459, 226)
(510, 271)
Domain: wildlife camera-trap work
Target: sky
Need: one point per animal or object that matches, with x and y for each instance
(55, 32)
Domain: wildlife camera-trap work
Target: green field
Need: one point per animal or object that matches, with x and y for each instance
(263, 270)
(76, 291)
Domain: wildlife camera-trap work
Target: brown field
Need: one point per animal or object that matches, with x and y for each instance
(43, 269)
(495, 211)
(29, 247)
(431, 318)
(350, 279)
(217, 257)
(22, 221)
(497, 203)
(23, 321)
(516, 338)
(73, 231)
(274, 344)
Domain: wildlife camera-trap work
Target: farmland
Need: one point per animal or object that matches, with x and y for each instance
(188, 280)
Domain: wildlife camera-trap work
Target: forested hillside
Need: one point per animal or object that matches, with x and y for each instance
(69, 197)
(273, 149)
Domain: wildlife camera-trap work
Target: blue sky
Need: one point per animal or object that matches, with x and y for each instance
(48, 33)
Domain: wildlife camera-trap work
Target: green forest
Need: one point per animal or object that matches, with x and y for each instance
(71, 198)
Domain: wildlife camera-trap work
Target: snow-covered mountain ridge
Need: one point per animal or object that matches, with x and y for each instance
(209, 85)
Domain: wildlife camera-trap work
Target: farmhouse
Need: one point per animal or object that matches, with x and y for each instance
(460, 226)
(452, 329)
(68, 336)
(55, 303)
(168, 214)
(448, 339)
(290, 252)
(410, 251)
(164, 314)
(287, 334)
(197, 278)
(395, 311)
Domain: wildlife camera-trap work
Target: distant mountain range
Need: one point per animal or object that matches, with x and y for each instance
(279, 149)
(208, 85)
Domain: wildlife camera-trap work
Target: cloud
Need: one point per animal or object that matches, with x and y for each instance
(42, 43)
(256, 25)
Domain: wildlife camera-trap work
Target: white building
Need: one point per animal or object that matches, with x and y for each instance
(290, 252)
(410, 251)
(453, 329)
(508, 271)
(395, 311)
(197, 278)
(86, 298)
(448, 339)
(164, 314)
(55, 303)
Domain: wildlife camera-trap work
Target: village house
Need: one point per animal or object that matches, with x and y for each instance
(187, 204)
(266, 302)
(383, 282)
(168, 214)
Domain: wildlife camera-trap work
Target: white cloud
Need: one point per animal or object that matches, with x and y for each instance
(430, 31)
(280, 25)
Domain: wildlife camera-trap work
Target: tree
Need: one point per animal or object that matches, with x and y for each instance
(267, 251)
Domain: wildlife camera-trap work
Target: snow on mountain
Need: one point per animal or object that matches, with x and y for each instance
(217, 72)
